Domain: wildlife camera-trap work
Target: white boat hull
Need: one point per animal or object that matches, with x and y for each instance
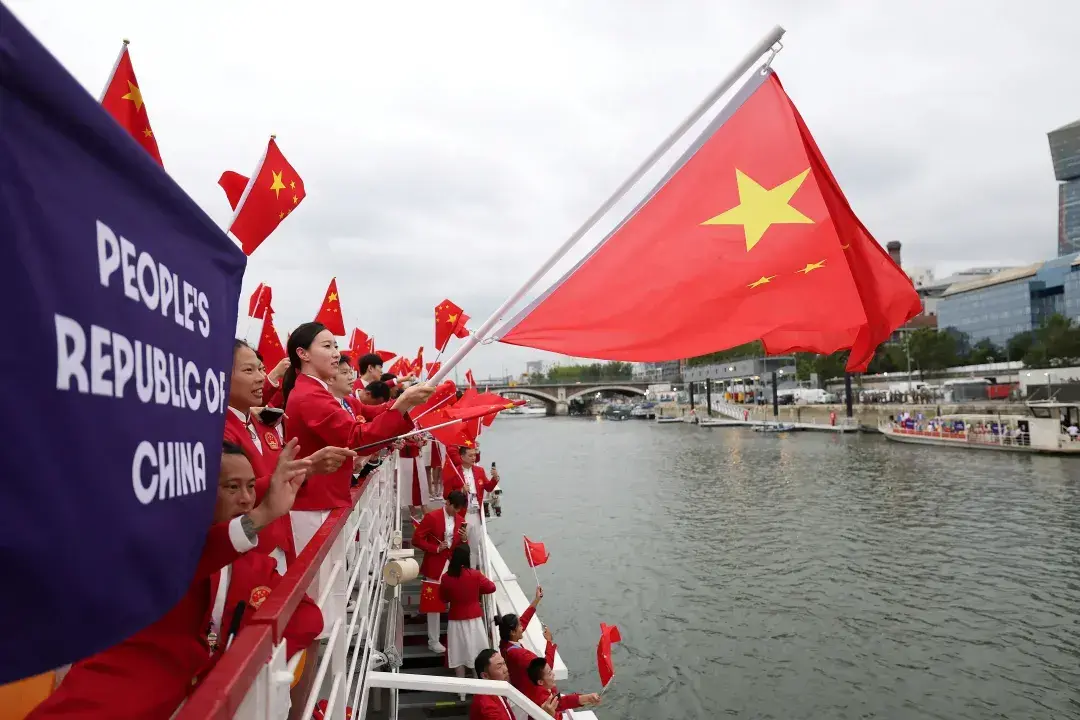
(913, 437)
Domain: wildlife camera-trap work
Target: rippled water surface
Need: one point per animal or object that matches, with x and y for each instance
(798, 576)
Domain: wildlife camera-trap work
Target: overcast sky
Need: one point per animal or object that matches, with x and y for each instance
(448, 148)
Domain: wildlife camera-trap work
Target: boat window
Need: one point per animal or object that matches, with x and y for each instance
(1040, 412)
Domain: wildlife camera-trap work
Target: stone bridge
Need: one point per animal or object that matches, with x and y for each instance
(557, 396)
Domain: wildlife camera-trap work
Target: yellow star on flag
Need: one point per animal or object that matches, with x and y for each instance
(281, 216)
(295, 199)
(148, 133)
(331, 297)
(451, 318)
(292, 184)
(810, 267)
(277, 186)
(134, 95)
(759, 209)
(760, 281)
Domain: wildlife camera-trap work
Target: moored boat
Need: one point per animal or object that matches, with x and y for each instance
(1052, 428)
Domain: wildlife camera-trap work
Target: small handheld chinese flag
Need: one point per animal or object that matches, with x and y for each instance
(273, 194)
(330, 310)
(608, 634)
(123, 100)
(535, 553)
(260, 301)
(449, 434)
(269, 343)
(386, 355)
(445, 392)
(432, 368)
(449, 321)
(469, 378)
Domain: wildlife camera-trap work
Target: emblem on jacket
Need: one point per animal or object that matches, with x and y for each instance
(258, 595)
(272, 440)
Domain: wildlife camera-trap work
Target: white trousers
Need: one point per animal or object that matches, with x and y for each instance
(476, 538)
(433, 628)
(305, 523)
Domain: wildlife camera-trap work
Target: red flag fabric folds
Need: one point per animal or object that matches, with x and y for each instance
(269, 343)
(748, 237)
(469, 378)
(260, 301)
(535, 553)
(330, 310)
(276, 191)
(449, 321)
(124, 101)
(444, 393)
(608, 634)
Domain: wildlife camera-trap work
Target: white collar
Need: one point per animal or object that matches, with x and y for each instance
(242, 415)
(325, 386)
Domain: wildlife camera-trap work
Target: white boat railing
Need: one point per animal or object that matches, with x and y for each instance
(244, 686)
(449, 684)
(355, 655)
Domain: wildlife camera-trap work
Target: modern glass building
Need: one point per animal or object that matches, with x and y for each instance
(1065, 154)
(1012, 302)
(1069, 217)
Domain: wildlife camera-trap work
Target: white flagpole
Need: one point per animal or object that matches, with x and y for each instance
(762, 46)
(609, 684)
(406, 435)
(108, 83)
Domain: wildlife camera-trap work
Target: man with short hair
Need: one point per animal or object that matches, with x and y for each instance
(490, 665)
(370, 367)
(437, 534)
(146, 676)
(471, 480)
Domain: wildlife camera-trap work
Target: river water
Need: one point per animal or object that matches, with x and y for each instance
(798, 576)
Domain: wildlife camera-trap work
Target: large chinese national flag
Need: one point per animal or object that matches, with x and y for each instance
(274, 194)
(124, 101)
(748, 237)
(330, 310)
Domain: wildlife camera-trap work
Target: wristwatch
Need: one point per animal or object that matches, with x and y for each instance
(249, 528)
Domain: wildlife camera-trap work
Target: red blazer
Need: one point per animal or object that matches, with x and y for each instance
(490, 707)
(317, 420)
(428, 534)
(271, 393)
(540, 695)
(146, 676)
(252, 579)
(463, 593)
(278, 533)
(518, 657)
(453, 480)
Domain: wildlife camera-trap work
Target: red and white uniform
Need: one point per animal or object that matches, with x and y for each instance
(262, 446)
(434, 528)
(518, 656)
(466, 634)
(251, 578)
(474, 483)
(148, 675)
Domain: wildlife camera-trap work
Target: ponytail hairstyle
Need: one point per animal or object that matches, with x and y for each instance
(302, 337)
(458, 559)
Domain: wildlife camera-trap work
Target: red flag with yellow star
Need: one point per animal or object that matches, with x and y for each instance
(449, 321)
(123, 99)
(269, 343)
(749, 236)
(330, 311)
(267, 200)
